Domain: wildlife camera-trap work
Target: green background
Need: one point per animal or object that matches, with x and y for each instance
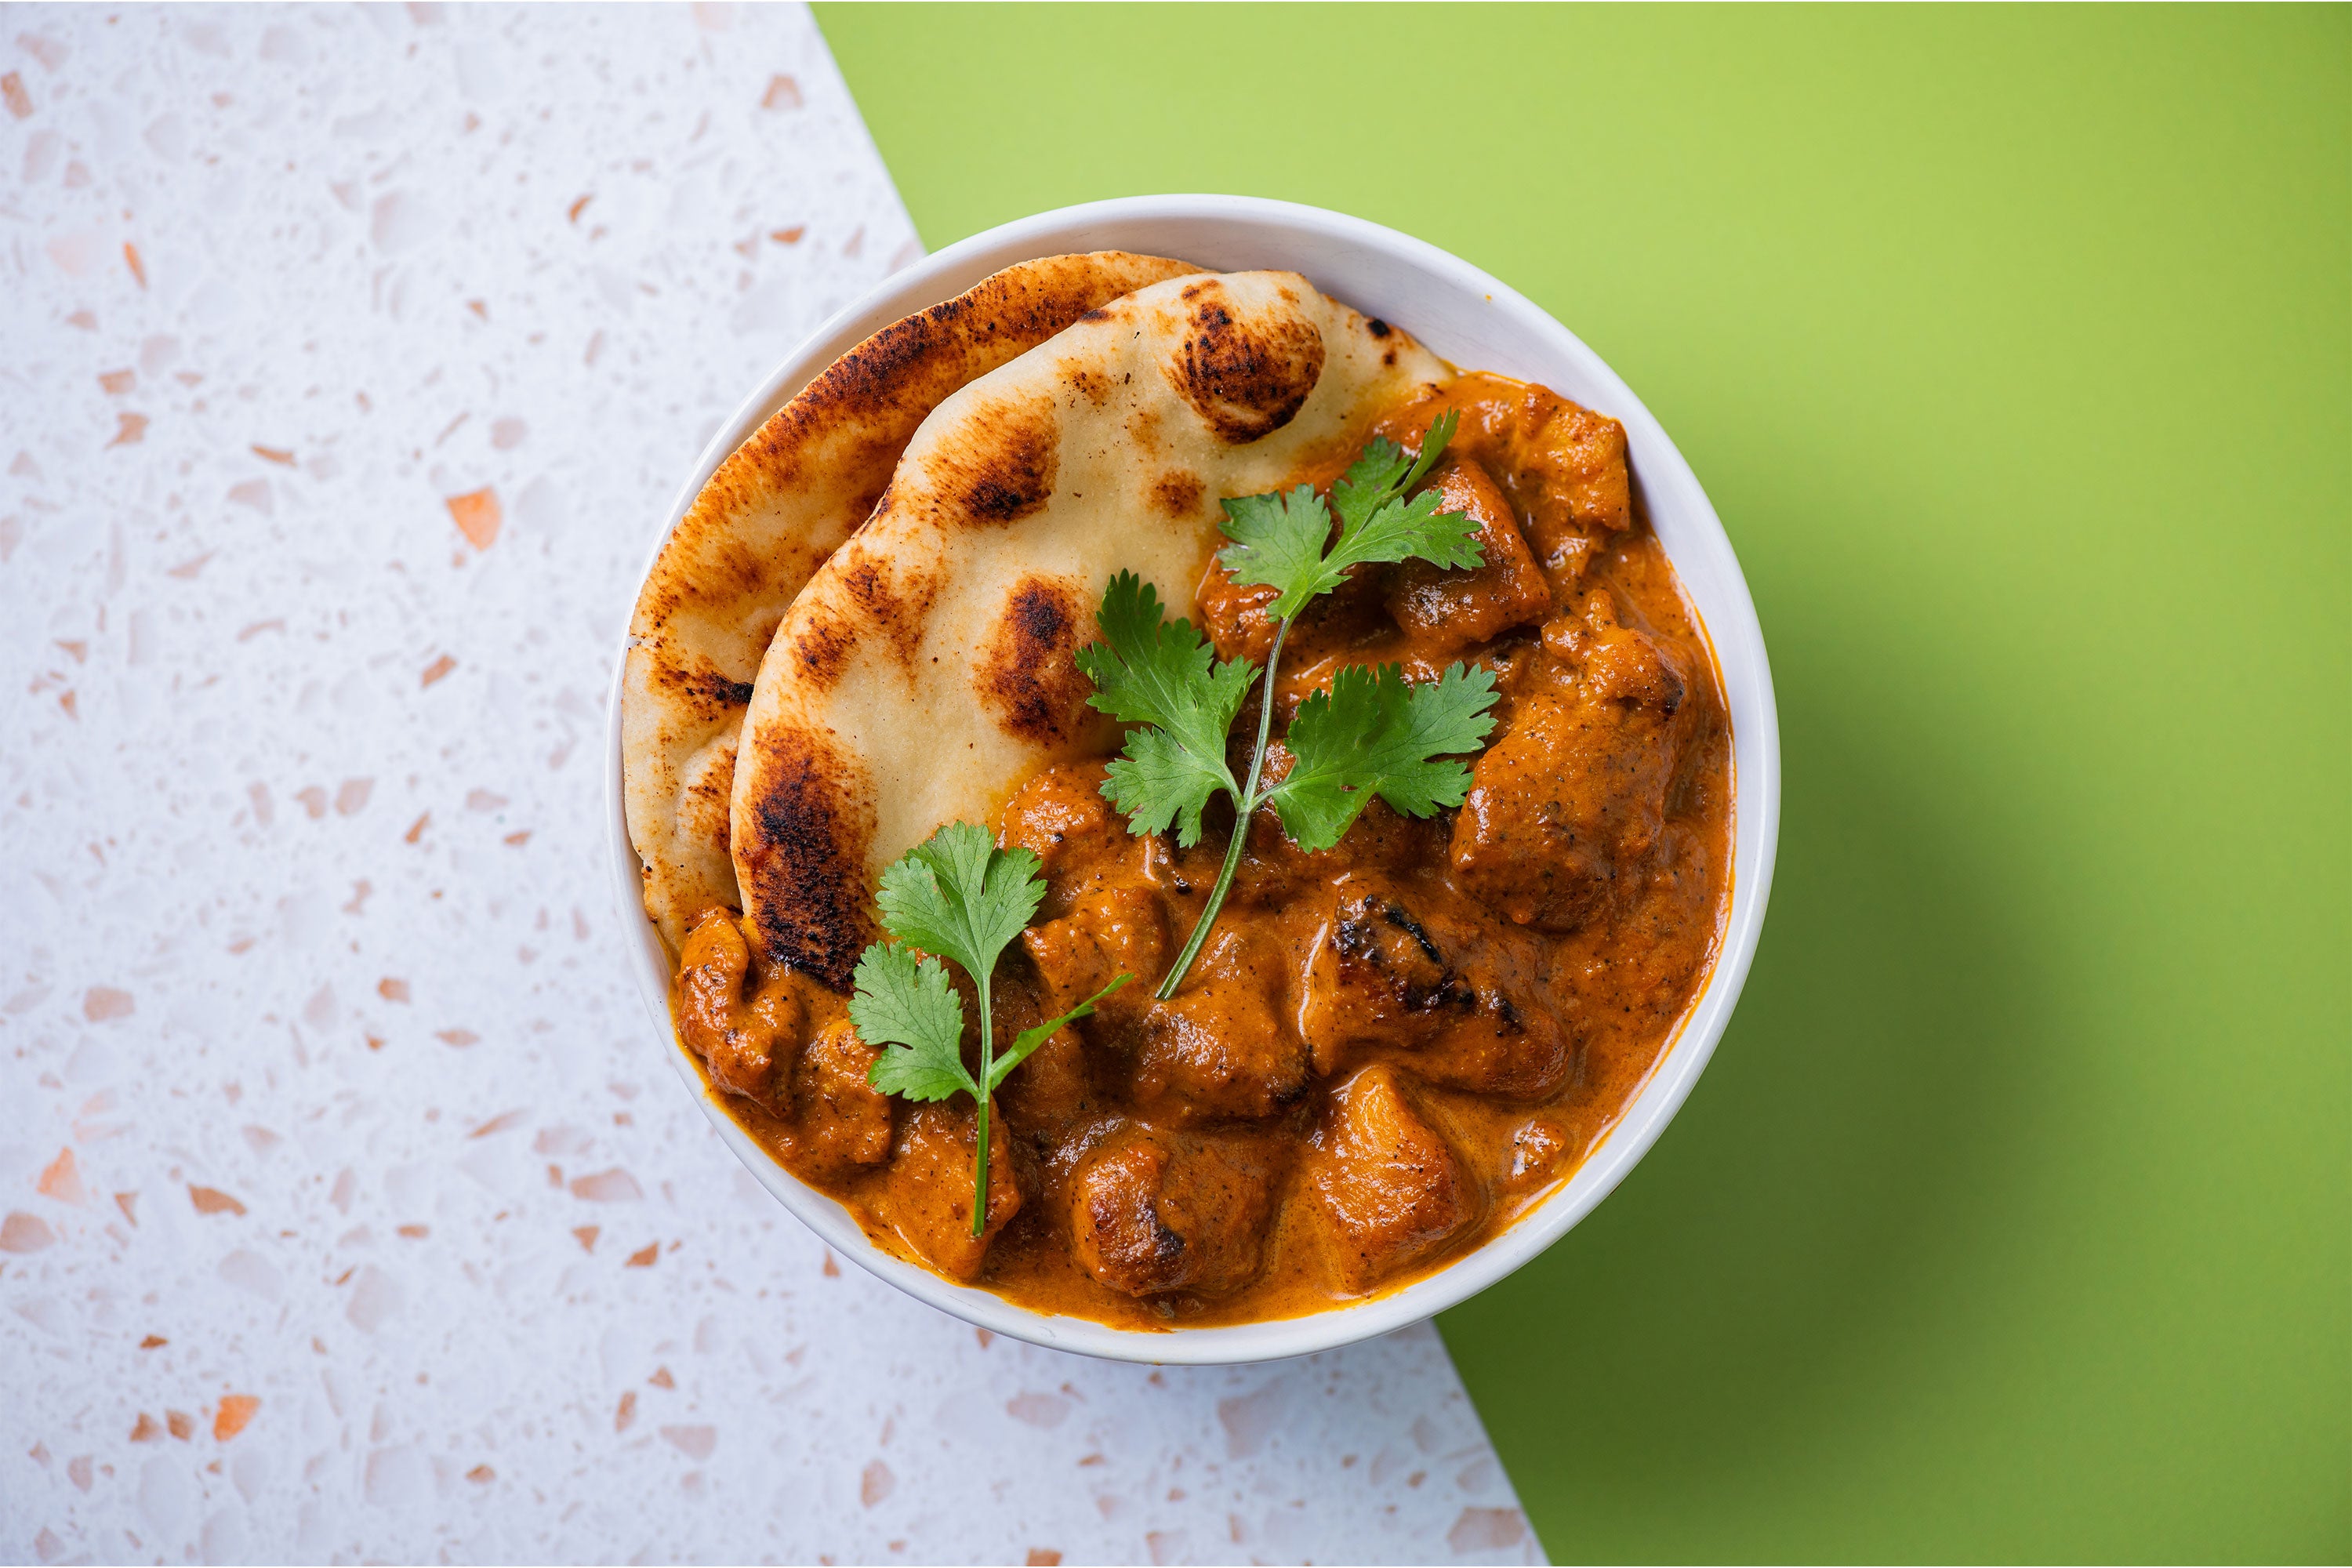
(2013, 1219)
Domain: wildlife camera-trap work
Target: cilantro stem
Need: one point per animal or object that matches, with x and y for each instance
(1243, 809)
(987, 1073)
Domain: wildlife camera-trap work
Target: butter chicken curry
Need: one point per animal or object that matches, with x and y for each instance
(1388, 1051)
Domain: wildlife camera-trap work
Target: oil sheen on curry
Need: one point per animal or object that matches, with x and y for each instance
(1389, 1050)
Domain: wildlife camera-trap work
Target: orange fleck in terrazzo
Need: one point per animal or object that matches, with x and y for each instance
(433, 672)
(21, 1232)
(644, 1257)
(100, 1003)
(12, 88)
(477, 516)
(275, 455)
(62, 1180)
(182, 1425)
(626, 1413)
(612, 1186)
(118, 382)
(138, 268)
(236, 1410)
(146, 1430)
(212, 1200)
(587, 1235)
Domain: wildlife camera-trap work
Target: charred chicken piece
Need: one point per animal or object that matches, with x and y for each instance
(1154, 1211)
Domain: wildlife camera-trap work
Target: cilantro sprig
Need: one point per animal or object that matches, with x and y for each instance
(1370, 734)
(958, 895)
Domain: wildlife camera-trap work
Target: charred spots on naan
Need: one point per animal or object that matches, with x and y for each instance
(803, 861)
(701, 691)
(895, 596)
(1095, 386)
(1178, 493)
(1248, 372)
(1028, 672)
(1001, 468)
(706, 789)
(820, 647)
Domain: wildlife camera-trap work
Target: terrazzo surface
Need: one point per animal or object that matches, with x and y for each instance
(348, 1209)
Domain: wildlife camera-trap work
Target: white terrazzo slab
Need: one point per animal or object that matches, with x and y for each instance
(326, 1103)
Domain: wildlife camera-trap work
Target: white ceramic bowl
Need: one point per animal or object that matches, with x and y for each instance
(1477, 323)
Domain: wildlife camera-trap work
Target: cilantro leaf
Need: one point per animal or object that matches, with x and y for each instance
(1159, 781)
(958, 895)
(1376, 524)
(1278, 542)
(1371, 735)
(1028, 1040)
(1151, 671)
(1383, 472)
(911, 1007)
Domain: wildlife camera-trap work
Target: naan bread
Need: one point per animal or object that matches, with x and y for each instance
(926, 670)
(775, 508)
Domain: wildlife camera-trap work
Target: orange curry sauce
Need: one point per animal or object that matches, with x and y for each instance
(1388, 1051)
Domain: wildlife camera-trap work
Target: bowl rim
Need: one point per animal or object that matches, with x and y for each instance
(1730, 622)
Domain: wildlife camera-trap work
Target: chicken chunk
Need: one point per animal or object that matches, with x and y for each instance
(1379, 973)
(1061, 816)
(1449, 609)
(1374, 976)
(747, 1043)
(925, 1197)
(1219, 1048)
(1236, 618)
(1152, 1211)
(844, 1120)
(1120, 930)
(1563, 463)
(1573, 795)
(1391, 1187)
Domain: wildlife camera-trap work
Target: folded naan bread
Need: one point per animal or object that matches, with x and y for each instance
(926, 671)
(774, 509)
